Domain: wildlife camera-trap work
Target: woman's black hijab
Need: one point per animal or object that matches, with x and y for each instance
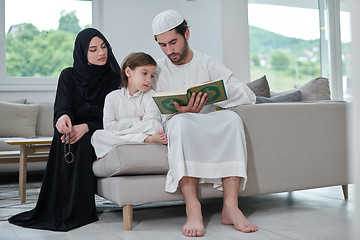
(94, 81)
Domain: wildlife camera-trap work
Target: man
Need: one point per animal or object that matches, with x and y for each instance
(206, 147)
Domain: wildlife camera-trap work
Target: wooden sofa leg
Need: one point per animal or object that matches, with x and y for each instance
(127, 217)
(345, 191)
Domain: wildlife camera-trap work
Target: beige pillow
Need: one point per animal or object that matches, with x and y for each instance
(18, 120)
(44, 126)
(314, 90)
(260, 87)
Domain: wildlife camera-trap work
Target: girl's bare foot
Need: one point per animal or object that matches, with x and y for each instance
(194, 226)
(158, 137)
(234, 216)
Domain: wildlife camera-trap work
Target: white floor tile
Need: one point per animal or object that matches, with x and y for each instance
(309, 214)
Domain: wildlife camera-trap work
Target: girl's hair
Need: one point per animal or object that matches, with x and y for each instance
(134, 60)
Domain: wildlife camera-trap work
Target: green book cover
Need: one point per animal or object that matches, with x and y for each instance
(165, 100)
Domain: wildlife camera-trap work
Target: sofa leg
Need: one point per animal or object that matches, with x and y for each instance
(345, 191)
(127, 217)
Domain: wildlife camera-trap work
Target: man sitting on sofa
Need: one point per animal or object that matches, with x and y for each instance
(206, 147)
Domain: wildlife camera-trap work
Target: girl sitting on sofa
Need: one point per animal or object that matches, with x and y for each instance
(130, 114)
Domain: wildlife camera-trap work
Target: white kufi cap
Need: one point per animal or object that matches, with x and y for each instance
(166, 21)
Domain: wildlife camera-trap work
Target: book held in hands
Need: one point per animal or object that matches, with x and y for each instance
(165, 100)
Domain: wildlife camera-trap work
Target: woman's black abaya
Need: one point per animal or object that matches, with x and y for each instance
(67, 196)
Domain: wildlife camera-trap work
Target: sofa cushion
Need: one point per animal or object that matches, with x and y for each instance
(260, 87)
(44, 126)
(18, 120)
(146, 158)
(314, 90)
(289, 97)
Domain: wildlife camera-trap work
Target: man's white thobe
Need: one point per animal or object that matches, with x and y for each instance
(208, 145)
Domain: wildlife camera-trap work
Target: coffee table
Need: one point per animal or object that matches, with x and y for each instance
(28, 147)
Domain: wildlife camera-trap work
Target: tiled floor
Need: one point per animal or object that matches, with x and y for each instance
(310, 214)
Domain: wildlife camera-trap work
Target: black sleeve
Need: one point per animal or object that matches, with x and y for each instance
(64, 99)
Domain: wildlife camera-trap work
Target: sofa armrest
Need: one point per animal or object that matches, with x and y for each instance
(293, 146)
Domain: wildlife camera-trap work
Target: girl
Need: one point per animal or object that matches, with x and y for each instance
(67, 197)
(130, 114)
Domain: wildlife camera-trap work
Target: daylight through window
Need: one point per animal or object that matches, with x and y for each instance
(40, 35)
(284, 45)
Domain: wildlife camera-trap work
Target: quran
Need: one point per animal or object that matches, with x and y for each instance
(165, 100)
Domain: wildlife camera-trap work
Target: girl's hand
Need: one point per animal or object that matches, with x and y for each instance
(63, 124)
(76, 133)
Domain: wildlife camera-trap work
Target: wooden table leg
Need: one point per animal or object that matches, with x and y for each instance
(23, 172)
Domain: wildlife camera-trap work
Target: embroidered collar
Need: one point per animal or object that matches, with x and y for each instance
(125, 91)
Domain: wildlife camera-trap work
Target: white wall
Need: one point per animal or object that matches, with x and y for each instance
(354, 118)
(218, 28)
(235, 38)
(127, 25)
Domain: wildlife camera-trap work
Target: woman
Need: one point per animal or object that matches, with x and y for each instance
(67, 199)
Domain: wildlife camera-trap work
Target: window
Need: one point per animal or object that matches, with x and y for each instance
(40, 35)
(345, 28)
(37, 40)
(284, 43)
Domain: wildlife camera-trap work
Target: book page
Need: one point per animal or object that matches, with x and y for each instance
(171, 93)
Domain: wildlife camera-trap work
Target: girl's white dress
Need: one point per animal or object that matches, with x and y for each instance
(127, 120)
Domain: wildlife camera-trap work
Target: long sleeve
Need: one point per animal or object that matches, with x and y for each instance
(122, 111)
(237, 92)
(70, 101)
(64, 96)
(151, 110)
(115, 117)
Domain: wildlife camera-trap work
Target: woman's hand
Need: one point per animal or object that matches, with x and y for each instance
(63, 124)
(76, 133)
(195, 104)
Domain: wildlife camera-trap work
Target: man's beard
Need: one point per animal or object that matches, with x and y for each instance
(181, 55)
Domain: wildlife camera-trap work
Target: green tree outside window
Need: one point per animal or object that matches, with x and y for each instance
(31, 53)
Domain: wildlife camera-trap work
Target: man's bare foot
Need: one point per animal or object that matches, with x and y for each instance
(234, 216)
(194, 226)
(158, 137)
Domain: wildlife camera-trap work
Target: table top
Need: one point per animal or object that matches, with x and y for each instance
(28, 141)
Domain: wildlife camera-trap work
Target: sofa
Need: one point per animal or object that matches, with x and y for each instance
(22, 120)
(294, 142)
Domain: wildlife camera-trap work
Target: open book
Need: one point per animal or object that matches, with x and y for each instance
(165, 100)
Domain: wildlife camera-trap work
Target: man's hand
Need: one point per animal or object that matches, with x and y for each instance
(195, 104)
